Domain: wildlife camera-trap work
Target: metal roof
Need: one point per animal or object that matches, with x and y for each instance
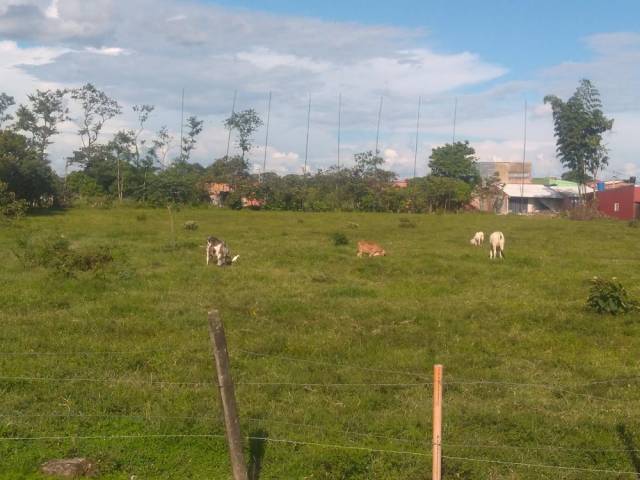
(530, 190)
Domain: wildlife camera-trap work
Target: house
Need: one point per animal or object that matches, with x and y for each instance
(218, 191)
(622, 201)
(529, 198)
(509, 172)
(401, 183)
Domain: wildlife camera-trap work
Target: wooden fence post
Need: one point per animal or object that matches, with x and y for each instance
(227, 396)
(437, 423)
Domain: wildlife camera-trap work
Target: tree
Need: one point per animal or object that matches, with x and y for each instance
(5, 102)
(490, 193)
(24, 172)
(455, 160)
(228, 170)
(572, 176)
(579, 125)
(246, 123)
(161, 146)
(97, 108)
(194, 128)
(447, 193)
(124, 149)
(41, 117)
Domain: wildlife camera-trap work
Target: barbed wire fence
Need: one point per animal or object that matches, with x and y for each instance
(411, 447)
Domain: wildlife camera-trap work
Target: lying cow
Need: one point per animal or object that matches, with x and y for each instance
(219, 249)
(496, 240)
(478, 239)
(371, 249)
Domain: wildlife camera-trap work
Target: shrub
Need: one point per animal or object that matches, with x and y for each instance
(609, 296)
(141, 217)
(406, 223)
(339, 238)
(190, 225)
(634, 224)
(353, 225)
(9, 206)
(57, 255)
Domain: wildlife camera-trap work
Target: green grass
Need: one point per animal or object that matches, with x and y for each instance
(433, 299)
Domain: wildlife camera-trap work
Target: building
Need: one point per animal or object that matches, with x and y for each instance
(509, 172)
(218, 191)
(530, 198)
(621, 201)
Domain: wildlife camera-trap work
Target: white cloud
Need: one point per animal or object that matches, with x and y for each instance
(109, 51)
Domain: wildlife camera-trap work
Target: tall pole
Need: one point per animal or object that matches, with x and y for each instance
(415, 153)
(227, 396)
(437, 423)
(339, 124)
(306, 148)
(233, 110)
(378, 129)
(266, 138)
(455, 118)
(524, 155)
(181, 123)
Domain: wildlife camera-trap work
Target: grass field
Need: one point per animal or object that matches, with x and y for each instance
(433, 299)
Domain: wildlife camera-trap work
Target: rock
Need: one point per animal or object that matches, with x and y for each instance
(68, 468)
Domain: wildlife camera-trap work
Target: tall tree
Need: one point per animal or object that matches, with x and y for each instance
(194, 128)
(455, 160)
(579, 125)
(97, 108)
(40, 118)
(161, 146)
(6, 101)
(246, 123)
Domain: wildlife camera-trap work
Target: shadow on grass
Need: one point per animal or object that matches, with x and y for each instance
(257, 447)
(627, 440)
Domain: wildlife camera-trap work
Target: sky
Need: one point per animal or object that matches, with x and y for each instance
(487, 57)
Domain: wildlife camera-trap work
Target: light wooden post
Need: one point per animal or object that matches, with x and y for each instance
(227, 396)
(437, 423)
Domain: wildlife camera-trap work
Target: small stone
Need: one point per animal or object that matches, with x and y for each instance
(68, 468)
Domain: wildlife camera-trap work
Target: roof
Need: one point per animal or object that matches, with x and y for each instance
(530, 190)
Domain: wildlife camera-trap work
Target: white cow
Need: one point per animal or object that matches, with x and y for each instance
(497, 245)
(478, 239)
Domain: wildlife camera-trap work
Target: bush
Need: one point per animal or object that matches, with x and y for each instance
(190, 225)
(9, 206)
(141, 217)
(57, 255)
(339, 238)
(406, 223)
(634, 224)
(353, 225)
(609, 296)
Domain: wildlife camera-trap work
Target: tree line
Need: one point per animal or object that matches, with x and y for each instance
(135, 165)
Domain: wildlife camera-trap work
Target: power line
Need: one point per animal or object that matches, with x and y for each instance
(415, 155)
(378, 129)
(306, 148)
(266, 139)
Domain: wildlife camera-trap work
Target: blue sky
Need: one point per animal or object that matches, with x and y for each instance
(523, 35)
(491, 55)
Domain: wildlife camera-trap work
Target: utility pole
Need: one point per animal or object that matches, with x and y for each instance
(455, 118)
(306, 148)
(233, 110)
(415, 153)
(524, 156)
(181, 124)
(378, 129)
(339, 124)
(266, 139)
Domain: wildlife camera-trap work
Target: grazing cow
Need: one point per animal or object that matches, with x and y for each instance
(219, 249)
(497, 245)
(478, 239)
(371, 249)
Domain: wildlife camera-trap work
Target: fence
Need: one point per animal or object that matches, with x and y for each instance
(413, 447)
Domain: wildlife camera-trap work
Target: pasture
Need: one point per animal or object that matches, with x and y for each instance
(133, 357)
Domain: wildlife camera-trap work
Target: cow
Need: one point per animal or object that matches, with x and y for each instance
(219, 249)
(496, 240)
(371, 249)
(478, 239)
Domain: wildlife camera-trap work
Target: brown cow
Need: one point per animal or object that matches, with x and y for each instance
(370, 248)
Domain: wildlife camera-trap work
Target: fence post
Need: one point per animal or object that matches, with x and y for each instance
(227, 396)
(437, 423)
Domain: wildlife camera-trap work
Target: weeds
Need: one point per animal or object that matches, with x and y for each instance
(190, 225)
(609, 297)
(406, 223)
(339, 238)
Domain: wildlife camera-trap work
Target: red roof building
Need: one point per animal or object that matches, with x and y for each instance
(621, 202)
